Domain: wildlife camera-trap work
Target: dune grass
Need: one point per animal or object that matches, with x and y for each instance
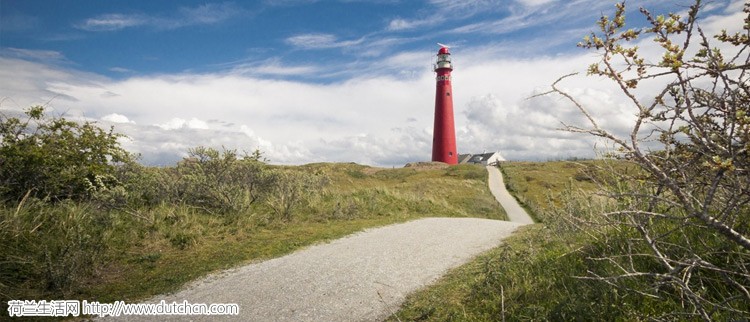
(532, 275)
(141, 252)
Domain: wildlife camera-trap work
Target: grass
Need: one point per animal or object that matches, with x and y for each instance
(539, 185)
(160, 268)
(532, 275)
(149, 251)
(545, 271)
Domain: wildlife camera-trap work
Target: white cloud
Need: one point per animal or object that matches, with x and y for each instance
(120, 70)
(735, 6)
(466, 7)
(116, 118)
(111, 22)
(732, 21)
(27, 83)
(401, 146)
(247, 131)
(531, 13)
(533, 3)
(272, 67)
(206, 14)
(443, 11)
(399, 24)
(373, 117)
(179, 123)
(49, 56)
(379, 120)
(320, 41)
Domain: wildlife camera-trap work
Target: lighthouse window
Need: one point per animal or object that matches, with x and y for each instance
(448, 94)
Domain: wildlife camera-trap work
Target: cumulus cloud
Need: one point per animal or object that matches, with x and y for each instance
(371, 117)
(179, 123)
(116, 118)
(533, 128)
(27, 83)
(293, 122)
(378, 120)
(401, 146)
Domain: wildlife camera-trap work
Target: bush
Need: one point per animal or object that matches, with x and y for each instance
(683, 219)
(220, 181)
(292, 189)
(141, 187)
(55, 158)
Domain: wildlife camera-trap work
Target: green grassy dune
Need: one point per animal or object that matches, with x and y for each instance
(158, 249)
(538, 273)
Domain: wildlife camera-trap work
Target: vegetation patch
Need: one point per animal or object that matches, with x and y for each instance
(539, 272)
(660, 228)
(149, 230)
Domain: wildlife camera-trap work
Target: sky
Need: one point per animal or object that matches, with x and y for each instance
(319, 80)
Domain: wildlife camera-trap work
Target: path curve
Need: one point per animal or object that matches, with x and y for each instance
(515, 212)
(363, 277)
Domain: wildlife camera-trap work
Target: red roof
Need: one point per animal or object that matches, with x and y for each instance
(443, 50)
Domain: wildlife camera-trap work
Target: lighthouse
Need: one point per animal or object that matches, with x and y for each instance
(444, 135)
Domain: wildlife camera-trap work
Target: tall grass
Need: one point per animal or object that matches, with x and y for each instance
(540, 273)
(49, 250)
(568, 267)
(145, 236)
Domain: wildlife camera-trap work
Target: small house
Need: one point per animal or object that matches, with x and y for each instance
(491, 158)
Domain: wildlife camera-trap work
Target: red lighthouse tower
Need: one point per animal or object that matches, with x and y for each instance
(444, 135)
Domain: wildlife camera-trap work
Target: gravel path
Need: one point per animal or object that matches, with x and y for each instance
(515, 212)
(362, 277)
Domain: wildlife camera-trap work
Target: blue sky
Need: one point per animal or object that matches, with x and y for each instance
(308, 81)
(120, 38)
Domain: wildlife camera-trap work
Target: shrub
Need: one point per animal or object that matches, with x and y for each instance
(683, 217)
(55, 158)
(220, 181)
(141, 186)
(292, 189)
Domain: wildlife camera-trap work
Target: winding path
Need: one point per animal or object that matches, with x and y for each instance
(515, 212)
(362, 277)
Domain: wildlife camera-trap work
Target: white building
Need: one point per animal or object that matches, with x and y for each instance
(491, 158)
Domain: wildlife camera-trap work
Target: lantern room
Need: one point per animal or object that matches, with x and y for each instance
(443, 59)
